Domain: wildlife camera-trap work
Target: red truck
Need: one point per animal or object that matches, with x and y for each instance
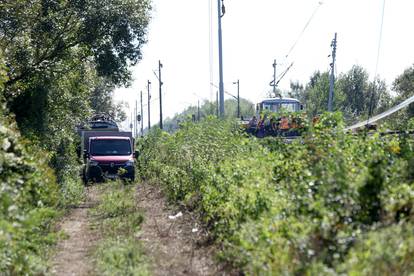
(107, 153)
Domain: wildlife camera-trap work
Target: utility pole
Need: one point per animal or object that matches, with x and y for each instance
(135, 119)
(131, 125)
(221, 11)
(217, 104)
(160, 85)
(149, 105)
(142, 116)
(332, 77)
(198, 110)
(274, 77)
(238, 97)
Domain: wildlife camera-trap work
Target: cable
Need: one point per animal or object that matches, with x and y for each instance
(210, 39)
(304, 28)
(371, 102)
(382, 115)
(151, 101)
(297, 41)
(380, 38)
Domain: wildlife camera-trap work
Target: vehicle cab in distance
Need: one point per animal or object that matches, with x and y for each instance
(108, 155)
(279, 104)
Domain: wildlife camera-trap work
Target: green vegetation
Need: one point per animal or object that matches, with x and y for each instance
(207, 108)
(334, 203)
(118, 221)
(355, 95)
(121, 257)
(28, 201)
(328, 204)
(59, 63)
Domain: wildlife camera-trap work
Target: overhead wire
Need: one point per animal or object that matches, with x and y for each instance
(380, 38)
(370, 108)
(304, 28)
(320, 3)
(210, 39)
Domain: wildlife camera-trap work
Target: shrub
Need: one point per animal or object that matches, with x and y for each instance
(28, 200)
(304, 207)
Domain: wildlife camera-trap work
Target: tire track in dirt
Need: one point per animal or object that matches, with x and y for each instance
(73, 254)
(172, 244)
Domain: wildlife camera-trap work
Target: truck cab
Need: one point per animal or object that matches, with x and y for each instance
(273, 118)
(278, 105)
(107, 151)
(108, 155)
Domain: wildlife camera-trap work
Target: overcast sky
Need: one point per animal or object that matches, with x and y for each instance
(257, 32)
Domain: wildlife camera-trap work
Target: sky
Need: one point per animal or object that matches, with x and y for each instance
(183, 35)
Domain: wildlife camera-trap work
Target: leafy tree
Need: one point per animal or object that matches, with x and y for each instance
(316, 93)
(64, 59)
(40, 34)
(355, 95)
(297, 91)
(209, 109)
(404, 86)
(361, 97)
(353, 85)
(380, 97)
(101, 100)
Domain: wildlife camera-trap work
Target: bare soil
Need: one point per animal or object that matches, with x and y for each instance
(173, 244)
(73, 253)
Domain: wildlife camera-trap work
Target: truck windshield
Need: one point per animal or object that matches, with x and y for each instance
(110, 147)
(276, 107)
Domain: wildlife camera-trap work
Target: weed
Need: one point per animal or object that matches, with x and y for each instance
(118, 220)
(121, 257)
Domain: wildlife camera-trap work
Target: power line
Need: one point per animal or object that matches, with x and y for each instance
(371, 101)
(275, 82)
(210, 39)
(151, 101)
(304, 28)
(380, 38)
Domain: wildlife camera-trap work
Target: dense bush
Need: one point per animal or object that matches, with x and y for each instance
(28, 198)
(321, 204)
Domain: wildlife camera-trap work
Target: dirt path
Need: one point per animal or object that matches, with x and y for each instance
(172, 241)
(72, 256)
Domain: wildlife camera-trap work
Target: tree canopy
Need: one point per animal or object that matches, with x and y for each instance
(38, 35)
(65, 57)
(355, 95)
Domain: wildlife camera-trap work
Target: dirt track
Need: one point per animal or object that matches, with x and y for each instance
(174, 244)
(172, 241)
(73, 253)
